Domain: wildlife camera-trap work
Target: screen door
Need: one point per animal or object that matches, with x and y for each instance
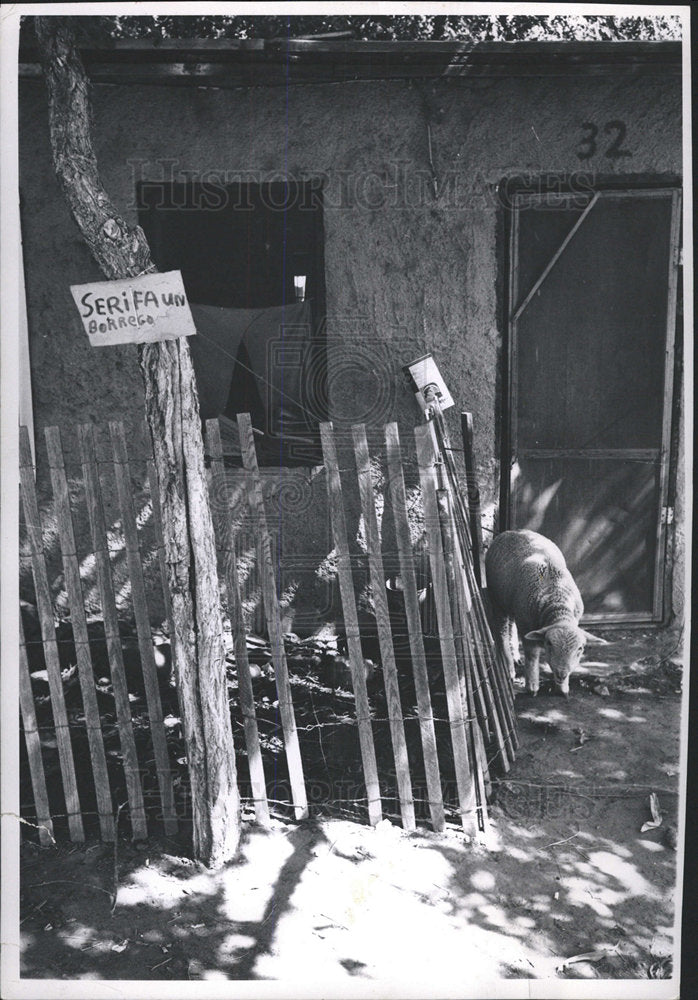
(591, 336)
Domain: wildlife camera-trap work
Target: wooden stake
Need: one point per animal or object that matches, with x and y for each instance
(351, 623)
(473, 496)
(81, 639)
(488, 705)
(441, 443)
(228, 562)
(385, 639)
(414, 627)
(33, 744)
(273, 616)
(463, 767)
(476, 750)
(44, 606)
(100, 547)
(500, 682)
(140, 610)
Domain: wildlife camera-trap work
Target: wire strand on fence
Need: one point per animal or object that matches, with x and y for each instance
(273, 735)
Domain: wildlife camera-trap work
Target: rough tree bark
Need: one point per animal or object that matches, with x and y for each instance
(172, 411)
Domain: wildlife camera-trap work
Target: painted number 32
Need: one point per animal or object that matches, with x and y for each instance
(589, 145)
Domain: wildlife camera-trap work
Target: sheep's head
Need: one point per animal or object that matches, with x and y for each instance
(563, 646)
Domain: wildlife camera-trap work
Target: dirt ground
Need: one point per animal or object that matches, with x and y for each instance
(567, 872)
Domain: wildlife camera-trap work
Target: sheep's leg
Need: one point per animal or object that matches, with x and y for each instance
(503, 633)
(532, 651)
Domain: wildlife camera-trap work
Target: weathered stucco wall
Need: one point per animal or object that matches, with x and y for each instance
(406, 272)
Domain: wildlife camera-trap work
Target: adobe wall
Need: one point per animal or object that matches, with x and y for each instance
(407, 272)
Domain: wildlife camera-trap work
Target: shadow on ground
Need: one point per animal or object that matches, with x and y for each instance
(567, 873)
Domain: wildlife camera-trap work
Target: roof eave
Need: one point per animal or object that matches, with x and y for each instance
(260, 62)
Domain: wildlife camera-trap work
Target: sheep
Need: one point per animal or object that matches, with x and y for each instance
(529, 585)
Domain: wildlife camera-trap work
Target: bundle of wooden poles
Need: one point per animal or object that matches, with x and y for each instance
(472, 665)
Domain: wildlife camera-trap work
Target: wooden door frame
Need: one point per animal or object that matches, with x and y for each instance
(511, 313)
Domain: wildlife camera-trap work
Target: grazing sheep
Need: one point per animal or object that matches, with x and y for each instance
(529, 584)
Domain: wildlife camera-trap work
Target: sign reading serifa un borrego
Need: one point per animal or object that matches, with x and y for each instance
(136, 310)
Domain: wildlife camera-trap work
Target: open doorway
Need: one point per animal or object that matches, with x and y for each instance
(591, 332)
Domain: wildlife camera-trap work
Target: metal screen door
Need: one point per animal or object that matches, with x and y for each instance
(591, 339)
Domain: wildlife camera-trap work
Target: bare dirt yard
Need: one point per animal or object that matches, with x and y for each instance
(569, 887)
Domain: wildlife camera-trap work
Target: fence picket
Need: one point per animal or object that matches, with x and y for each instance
(33, 745)
(414, 627)
(464, 775)
(140, 609)
(44, 606)
(385, 637)
(100, 547)
(273, 616)
(351, 624)
(479, 696)
(81, 638)
(226, 553)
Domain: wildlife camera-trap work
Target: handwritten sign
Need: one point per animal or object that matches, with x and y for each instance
(135, 310)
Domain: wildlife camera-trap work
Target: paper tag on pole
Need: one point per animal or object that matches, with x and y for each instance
(139, 310)
(424, 375)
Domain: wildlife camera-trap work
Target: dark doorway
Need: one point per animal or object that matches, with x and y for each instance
(592, 298)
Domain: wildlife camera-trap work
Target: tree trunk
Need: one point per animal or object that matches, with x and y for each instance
(172, 410)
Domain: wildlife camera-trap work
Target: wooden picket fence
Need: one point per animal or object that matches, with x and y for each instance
(479, 695)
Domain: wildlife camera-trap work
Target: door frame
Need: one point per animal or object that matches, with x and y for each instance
(512, 311)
